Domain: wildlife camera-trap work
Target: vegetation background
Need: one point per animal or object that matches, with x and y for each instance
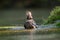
(12, 12)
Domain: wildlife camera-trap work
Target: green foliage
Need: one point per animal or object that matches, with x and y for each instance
(58, 24)
(54, 15)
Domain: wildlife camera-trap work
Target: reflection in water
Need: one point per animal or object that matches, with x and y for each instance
(32, 37)
(32, 34)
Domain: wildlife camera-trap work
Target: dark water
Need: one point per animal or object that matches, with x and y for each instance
(18, 17)
(33, 34)
(12, 17)
(32, 37)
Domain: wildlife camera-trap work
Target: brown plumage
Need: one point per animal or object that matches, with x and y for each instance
(30, 23)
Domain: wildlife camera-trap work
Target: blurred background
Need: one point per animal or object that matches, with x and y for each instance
(12, 12)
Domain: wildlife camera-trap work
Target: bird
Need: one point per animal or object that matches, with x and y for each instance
(30, 23)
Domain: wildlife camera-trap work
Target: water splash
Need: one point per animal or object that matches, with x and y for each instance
(46, 26)
(33, 35)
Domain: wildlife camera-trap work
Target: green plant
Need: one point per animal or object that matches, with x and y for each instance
(54, 15)
(58, 24)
